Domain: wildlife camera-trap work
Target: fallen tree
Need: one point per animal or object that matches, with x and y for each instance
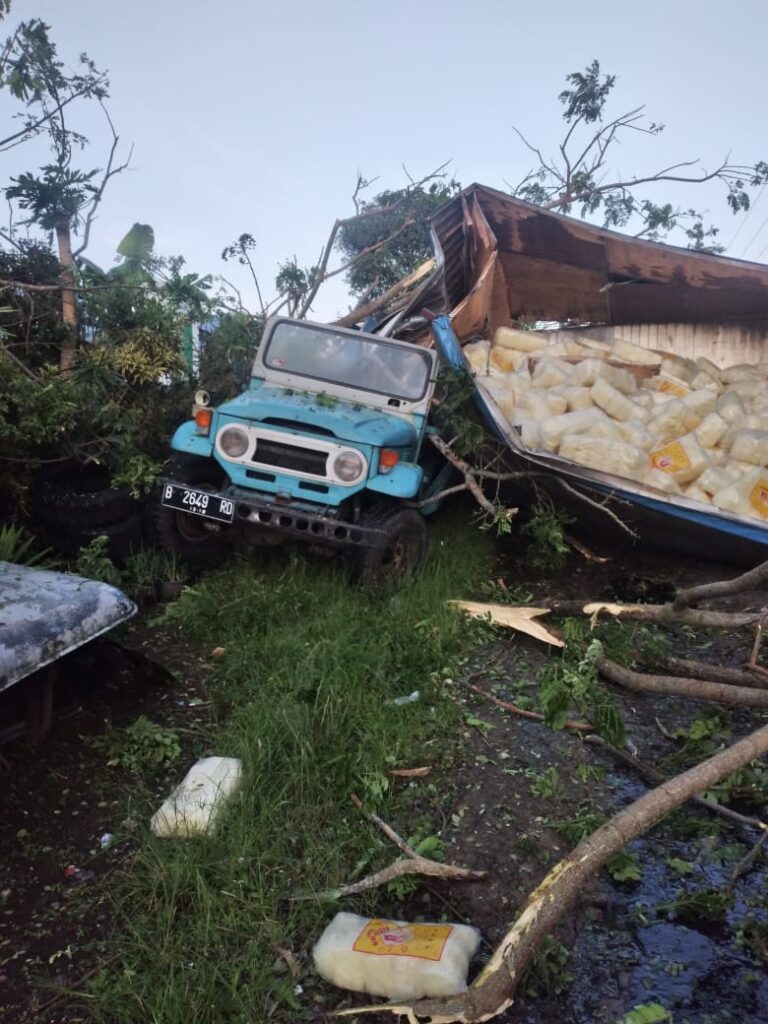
(493, 991)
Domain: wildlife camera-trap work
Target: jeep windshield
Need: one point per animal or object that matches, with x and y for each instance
(351, 360)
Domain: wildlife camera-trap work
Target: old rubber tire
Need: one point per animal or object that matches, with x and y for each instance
(405, 546)
(199, 543)
(124, 538)
(80, 495)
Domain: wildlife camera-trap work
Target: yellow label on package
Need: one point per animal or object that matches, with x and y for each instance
(388, 938)
(670, 388)
(758, 497)
(671, 458)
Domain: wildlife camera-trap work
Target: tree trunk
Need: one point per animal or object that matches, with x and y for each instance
(494, 989)
(699, 689)
(68, 305)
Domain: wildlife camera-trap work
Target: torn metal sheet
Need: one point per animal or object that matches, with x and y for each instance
(44, 615)
(501, 259)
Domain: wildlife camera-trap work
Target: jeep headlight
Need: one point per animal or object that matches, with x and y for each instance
(349, 466)
(233, 442)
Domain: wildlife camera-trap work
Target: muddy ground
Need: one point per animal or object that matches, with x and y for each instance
(514, 781)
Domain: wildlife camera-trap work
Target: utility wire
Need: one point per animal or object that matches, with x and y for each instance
(755, 236)
(747, 215)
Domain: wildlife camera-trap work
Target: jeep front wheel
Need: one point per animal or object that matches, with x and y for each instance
(199, 542)
(401, 551)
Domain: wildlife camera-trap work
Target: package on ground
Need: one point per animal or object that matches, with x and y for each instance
(395, 959)
(194, 804)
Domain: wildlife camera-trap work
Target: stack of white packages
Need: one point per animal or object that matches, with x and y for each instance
(681, 426)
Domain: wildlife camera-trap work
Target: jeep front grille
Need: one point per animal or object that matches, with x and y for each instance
(289, 456)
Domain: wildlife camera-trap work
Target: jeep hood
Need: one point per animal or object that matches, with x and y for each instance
(300, 410)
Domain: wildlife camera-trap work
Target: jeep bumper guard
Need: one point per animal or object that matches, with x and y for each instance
(295, 520)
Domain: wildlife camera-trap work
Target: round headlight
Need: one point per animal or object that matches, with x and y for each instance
(348, 466)
(233, 442)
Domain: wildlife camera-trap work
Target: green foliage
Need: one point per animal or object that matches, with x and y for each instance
(547, 974)
(682, 867)
(546, 530)
(399, 218)
(94, 563)
(546, 785)
(139, 473)
(143, 746)
(647, 1013)
(624, 866)
(573, 683)
(583, 823)
(17, 545)
(584, 182)
(700, 905)
(143, 569)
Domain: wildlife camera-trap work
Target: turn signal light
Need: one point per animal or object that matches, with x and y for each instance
(203, 419)
(388, 460)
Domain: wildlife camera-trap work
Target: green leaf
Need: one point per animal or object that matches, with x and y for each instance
(646, 1013)
(139, 243)
(683, 867)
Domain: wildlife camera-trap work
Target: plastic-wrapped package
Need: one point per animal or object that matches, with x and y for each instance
(535, 402)
(550, 372)
(708, 367)
(667, 385)
(683, 458)
(747, 496)
(637, 433)
(701, 401)
(621, 379)
(697, 493)
(751, 446)
(713, 479)
(710, 430)
(660, 480)
(477, 353)
(614, 403)
(739, 373)
(522, 341)
(706, 381)
(192, 807)
(575, 398)
(395, 959)
(675, 366)
(585, 373)
(557, 402)
(628, 352)
(529, 430)
(582, 422)
(502, 361)
(672, 419)
(610, 456)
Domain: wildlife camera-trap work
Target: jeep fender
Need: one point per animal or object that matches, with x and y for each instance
(187, 439)
(403, 481)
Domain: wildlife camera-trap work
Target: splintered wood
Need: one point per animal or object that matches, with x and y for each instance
(523, 620)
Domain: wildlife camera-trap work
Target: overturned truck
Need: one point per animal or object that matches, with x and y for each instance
(649, 392)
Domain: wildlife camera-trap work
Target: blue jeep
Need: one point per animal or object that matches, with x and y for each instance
(326, 445)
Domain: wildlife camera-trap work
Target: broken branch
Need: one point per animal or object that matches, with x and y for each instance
(493, 991)
(699, 689)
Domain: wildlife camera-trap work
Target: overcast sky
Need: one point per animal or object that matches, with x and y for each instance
(255, 115)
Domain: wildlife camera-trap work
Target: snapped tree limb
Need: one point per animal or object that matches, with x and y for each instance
(493, 991)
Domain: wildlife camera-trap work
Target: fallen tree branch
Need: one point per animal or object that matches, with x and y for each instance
(522, 713)
(746, 862)
(657, 777)
(700, 689)
(470, 478)
(754, 579)
(716, 673)
(493, 991)
(659, 613)
(414, 864)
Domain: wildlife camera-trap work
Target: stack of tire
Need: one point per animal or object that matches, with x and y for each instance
(73, 503)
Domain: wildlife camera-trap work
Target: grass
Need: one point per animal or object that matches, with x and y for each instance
(304, 693)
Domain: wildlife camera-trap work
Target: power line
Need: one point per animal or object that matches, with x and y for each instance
(755, 236)
(747, 215)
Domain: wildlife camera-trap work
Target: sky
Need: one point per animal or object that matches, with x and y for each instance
(256, 115)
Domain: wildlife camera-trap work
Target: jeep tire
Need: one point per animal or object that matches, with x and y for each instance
(404, 546)
(198, 542)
